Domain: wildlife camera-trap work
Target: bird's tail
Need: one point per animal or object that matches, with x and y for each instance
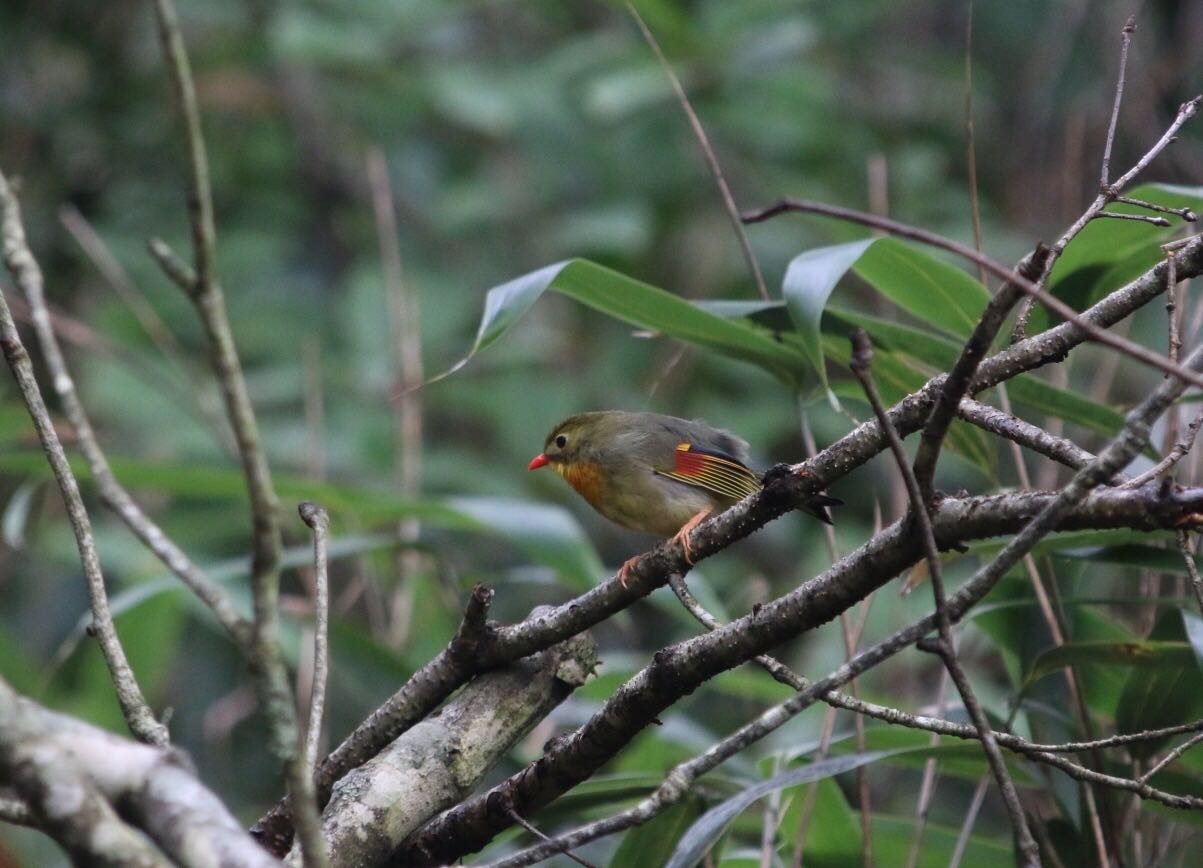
(817, 506)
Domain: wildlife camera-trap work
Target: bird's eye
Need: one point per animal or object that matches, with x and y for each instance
(561, 441)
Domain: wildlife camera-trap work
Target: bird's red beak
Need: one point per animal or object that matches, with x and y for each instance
(537, 462)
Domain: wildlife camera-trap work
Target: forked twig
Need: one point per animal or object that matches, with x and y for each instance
(862, 356)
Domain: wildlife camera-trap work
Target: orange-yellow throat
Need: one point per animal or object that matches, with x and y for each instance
(585, 477)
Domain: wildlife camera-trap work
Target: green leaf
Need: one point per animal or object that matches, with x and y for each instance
(639, 304)
(1169, 695)
(702, 835)
(547, 533)
(931, 290)
(809, 281)
(651, 845)
(1027, 391)
(935, 292)
(1122, 249)
(1136, 653)
(1192, 624)
(1135, 555)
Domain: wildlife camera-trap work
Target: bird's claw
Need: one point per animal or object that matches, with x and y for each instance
(624, 572)
(682, 536)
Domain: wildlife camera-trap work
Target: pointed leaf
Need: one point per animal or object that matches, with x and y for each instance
(639, 304)
(651, 845)
(809, 281)
(713, 823)
(1137, 653)
(1167, 695)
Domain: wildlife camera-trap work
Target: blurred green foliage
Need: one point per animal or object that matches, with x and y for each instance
(519, 135)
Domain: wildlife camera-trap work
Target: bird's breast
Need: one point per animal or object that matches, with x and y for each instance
(587, 478)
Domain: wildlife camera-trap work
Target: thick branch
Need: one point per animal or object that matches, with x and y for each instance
(75, 776)
(440, 761)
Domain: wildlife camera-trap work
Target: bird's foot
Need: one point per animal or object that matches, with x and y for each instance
(682, 536)
(624, 572)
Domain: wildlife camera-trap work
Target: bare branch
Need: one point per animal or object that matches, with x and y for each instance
(1129, 29)
(1016, 430)
(436, 680)
(75, 777)
(1185, 213)
(440, 761)
(271, 680)
(319, 522)
(862, 356)
(1140, 218)
(28, 275)
(1192, 570)
(112, 493)
(678, 669)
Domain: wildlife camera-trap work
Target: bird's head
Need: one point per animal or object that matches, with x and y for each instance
(571, 442)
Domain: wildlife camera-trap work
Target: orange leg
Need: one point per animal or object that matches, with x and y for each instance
(624, 572)
(682, 536)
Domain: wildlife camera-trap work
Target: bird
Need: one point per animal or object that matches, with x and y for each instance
(655, 473)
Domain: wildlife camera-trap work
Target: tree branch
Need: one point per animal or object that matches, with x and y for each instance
(440, 761)
(111, 801)
(27, 274)
(919, 516)
(206, 294)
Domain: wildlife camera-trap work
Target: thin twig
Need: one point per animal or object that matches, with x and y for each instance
(975, 806)
(851, 637)
(1109, 191)
(111, 491)
(1126, 37)
(894, 716)
(971, 142)
(402, 304)
(1192, 570)
(862, 355)
(160, 335)
(115, 275)
(1139, 218)
(711, 160)
(1022, 433)
(1181, 448)
(28, 275)
(927, 786)
(521, 821)
(271, 682)
(1186, 214)
(319, 522)
(956, 384)
(1171, 757)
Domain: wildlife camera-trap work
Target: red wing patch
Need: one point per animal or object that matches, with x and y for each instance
(716, 473)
